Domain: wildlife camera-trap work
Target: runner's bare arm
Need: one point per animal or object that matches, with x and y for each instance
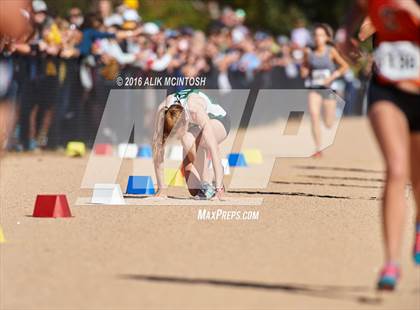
(304, 69)
(350, 46)
(343, 66)
(366, 29)
(158, 148)
(412, 7)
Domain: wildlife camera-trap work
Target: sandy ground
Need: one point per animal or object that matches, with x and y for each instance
(316, 244)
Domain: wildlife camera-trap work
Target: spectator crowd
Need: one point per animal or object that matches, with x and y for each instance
(59, 79)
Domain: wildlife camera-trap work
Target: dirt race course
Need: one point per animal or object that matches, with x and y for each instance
(317, 243)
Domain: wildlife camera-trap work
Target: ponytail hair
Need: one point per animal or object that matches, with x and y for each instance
(170, 118)
(173, 118)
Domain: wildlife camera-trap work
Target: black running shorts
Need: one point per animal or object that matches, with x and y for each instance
(408, 103)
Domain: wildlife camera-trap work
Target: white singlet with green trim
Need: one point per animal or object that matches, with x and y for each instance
(213, 110)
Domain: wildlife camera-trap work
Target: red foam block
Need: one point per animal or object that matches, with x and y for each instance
(103, 149)
(51, 206)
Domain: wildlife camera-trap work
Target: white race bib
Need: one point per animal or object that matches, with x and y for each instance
(319, 76)
(397, 61)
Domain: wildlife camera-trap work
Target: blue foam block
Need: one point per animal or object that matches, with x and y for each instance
(140, 185)
(145, 151)
(237, 160)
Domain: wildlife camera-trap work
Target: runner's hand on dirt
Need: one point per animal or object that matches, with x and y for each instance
(162, 193)
(220, 193)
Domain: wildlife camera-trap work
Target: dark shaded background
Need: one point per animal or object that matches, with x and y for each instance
(276, 16)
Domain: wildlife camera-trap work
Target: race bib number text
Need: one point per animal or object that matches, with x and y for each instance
(397, 61)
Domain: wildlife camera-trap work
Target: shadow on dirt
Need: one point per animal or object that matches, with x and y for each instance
(326, 184)
(359, 294)
(256, 192)
(337, 169)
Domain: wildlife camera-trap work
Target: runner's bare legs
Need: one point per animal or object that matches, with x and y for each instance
(391, 129)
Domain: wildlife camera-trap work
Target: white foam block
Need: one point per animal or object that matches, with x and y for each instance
(109, 194)
(175, 152)
(225, 164)
(127, 150)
